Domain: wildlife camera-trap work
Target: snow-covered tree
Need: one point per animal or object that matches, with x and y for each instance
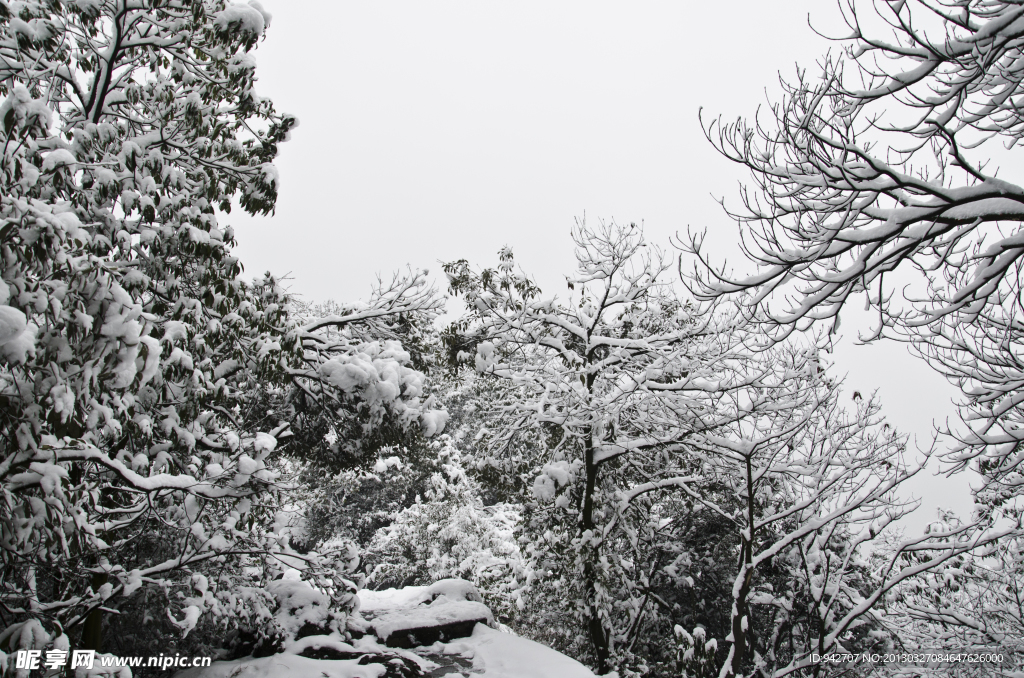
(448, 532)
(136, 447)
(973, 602)
(695, 656)
(873, 170)
(813, 484)
(644, 414)
(813, 488)
(359, 386)
(611, 383)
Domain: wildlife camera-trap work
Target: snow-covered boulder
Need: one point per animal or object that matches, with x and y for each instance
(423, 615)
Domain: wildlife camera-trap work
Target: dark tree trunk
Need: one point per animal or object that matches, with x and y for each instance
(92, 627)
(599, 637)
(742, 638)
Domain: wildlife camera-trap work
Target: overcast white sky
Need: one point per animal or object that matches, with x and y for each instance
(436, 130)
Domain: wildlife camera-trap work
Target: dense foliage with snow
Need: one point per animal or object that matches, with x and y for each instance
(149, 391)
(653, 472)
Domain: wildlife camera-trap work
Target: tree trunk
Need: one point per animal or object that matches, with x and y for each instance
(742, 633)
(599, 637)
(92, 628)
(741, 613)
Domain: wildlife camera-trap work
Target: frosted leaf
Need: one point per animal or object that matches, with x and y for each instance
(29, 113)
(84, 320)
(26, 635)
(217, 542)
(346, 376)
(63, 401)
(246, 19)
(50, 476)
(247, 465)
(18, 348)
(62, 642)
(152, 365)
(131, 583)
(174, 330)
(433, 422)
(558, 471)
(191, 508)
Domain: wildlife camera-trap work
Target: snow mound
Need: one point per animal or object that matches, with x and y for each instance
(300, 604)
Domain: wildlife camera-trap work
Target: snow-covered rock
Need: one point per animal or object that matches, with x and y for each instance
(439, 621)
(422, 615)
(376, 602)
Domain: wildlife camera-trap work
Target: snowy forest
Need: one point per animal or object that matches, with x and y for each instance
(654, 470)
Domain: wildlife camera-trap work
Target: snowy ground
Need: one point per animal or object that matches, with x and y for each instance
(485, 652)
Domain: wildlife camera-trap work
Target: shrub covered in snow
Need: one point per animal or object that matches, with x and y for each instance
(695, 654)
(449, 533)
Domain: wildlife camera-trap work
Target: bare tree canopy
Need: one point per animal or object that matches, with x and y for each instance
(873, 165)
